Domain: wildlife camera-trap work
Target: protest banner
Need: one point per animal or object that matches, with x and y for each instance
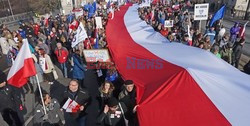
(201, 11)
(98, 21)
(80, 36)
(169, 23)
(78, 12)
(94, 55)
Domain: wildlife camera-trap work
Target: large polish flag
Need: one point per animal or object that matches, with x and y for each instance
(23, 67)
(177, 85)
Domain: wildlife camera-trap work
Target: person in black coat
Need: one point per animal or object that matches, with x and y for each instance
(237, 51)
(128, 97)
(9, 103)
(113, 114)
(81, 97)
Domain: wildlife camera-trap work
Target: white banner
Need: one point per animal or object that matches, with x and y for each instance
(80, 36)
(78, 13)
(98, 21)
(94, 55)
(201, 11)
(169, 23)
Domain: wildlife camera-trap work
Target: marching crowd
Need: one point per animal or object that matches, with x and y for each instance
(227, 46)
(50, 43)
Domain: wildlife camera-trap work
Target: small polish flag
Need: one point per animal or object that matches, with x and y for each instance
(23, 67)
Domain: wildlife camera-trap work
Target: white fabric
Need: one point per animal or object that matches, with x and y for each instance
(23, 54)
(227, 87)
(80, 36)
(42, 63)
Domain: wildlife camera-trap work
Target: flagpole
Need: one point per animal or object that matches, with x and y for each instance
(40, 91)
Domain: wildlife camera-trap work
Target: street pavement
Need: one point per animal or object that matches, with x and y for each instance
(56, 91)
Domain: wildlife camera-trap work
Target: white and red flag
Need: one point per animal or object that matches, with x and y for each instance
(176, 84)
(22, 68)
(242, 32)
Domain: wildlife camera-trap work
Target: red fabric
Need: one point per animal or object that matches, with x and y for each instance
(36, 29)
(92, 41)
(62, 56)
(166, 96)
(242, 32)
(20, 78)
(164, 32)
(110, 16)
(87, 44)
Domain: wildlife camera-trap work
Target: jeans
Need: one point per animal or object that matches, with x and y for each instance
(82, 121)
(64, 69)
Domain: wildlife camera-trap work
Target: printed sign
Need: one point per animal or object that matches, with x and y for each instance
(98, 21)
(94, 55)
(169, 23)
(201, 11)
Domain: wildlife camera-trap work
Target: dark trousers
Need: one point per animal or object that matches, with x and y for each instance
(11, 117)
(28, 87)
(49, 77)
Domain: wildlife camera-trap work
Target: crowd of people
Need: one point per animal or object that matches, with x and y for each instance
(224, 44)
(50, 43)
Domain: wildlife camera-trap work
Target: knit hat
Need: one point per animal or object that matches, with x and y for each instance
(128, 82)
(112, 102)
(3, 77)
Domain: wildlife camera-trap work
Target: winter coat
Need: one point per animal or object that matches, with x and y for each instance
(9, 99)
(211, 34)
(110, 119)
(237, 51)
(81, 96)
(4, 45)
(78, 69)
(61, 54)
(53, 110)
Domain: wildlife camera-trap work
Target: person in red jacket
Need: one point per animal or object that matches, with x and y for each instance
(62, 56)
(87, 44)
(36, 28)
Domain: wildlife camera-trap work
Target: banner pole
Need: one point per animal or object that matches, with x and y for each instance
(40, 91)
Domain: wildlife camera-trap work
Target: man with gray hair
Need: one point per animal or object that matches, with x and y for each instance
(62, 56)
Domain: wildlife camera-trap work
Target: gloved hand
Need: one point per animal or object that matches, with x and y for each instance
(45, 117)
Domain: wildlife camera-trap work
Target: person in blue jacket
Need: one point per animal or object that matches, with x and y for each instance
(78, 68)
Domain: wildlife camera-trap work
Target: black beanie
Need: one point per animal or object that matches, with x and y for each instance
(112, 102)
(128, 82)
(3, 77)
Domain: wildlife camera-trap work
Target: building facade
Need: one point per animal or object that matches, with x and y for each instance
(69, 5)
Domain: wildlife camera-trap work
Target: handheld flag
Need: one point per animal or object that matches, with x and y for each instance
(242, 33)
(80, 36)
(23, 67)
(218, 15)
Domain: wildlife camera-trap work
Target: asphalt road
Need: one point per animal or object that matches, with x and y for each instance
(56, 90)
